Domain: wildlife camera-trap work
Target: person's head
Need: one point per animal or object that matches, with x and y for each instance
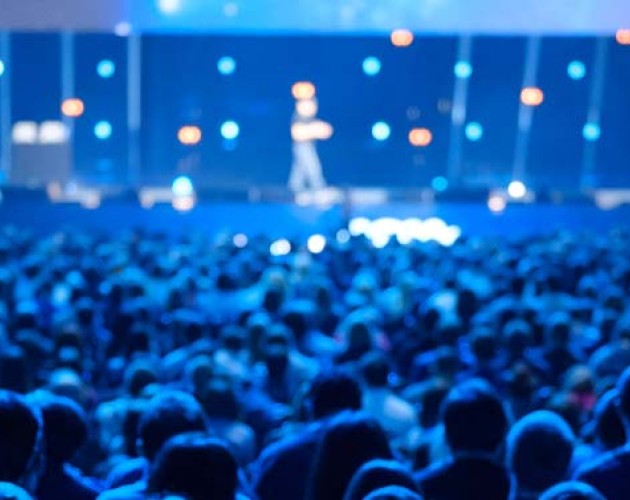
(483, 345)
(65, 428)
(333, 391)
(375, 370)
(198, 372)
(558, 331)
(139, 375)
(572, 490)
(474, 418)
(539, 450)
(195, 466)
(21, 430)
(377, 474)
(607, 427)
(393, 493)
(219, 400)
(350, 441)
(167, 415)
(623, 402)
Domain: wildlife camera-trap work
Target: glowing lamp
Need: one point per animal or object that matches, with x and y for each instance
(401, 38)
(532, 96)
(72, 108)
(420, 137)
(303, 90)
(623, 36)
(189, 135)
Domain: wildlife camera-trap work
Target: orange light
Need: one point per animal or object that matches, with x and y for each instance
(189, 135)
(303, 90)
(623, 36)
(402, 38)
(420, 137)
(72, 108)
(532, 96)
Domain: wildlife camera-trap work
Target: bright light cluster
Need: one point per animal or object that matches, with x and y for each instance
(405, 231)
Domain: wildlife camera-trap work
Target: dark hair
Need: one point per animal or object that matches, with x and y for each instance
(65, 428)
(540, 448)
(20, 436)
(607, 425)
(167, 415)
(351, 440)
(332, 392)
(377, 474)
(195, 466)
(375, 369)
(474, 417)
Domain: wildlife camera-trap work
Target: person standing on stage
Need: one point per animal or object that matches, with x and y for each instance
(306, 128)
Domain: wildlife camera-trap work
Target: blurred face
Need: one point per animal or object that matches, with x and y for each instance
(307, 108)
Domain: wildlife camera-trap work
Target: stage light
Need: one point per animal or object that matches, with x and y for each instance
(240, 240)
(303, 90)
(24, 133)
(474, 131)
(230, 130)
(359, 226)
(381, 131)
(343, 236)
(280, 248)
(371, 66)
(496, 203)
(623, 36)
(106, 68)
(576, 70)
(517, 190)
(226, 65)
(420, 137)
(463, 69)
(439, 184)
(401, 38)
(53, 132)
(122, 29)
(316, 244)
(591, 132)
(2, 67)
(72, 108)
(189, 135)
(532, 96)
(183, 186)
(169, 6)
(103, 130)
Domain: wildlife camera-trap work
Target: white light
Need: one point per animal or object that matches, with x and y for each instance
(122, 29)
(106, 68)
(103, 130)
(591, 131)
(448, 236)
(2, 67)
(380, 240)
(230, 130)
(240, 240)
(371, 66)
(385, 226)
(183, 186)
(316, 243)
(226, 65)
(53, 132)
(517, 190)
(381, 131)
(496, 203)
(343, 236)
(169, 6)
(463, 69)
(183, 203)
(280, 248)
(359, 226)
(24, 133)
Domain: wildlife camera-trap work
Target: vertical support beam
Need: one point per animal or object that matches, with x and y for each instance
(134, 108)
(526, 113)
(589, 156)
(458, 113)
(68, 88)
(5, 109)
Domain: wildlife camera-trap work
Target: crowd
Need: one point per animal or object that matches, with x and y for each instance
(141, 366)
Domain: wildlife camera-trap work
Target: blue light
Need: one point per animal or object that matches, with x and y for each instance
(381, 131)
(474, 131)
(371, 66)
(169, 7)
(183, 186)
(439, 184)
(463, 69)
(2, 68)
(576, 70)
(591, 131)
(103, 130)
(106, 68)
(226, 65)
(230, 130)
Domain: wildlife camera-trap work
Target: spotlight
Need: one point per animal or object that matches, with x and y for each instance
(280, 248)
(517, 190)
(401, 38)
(316, 244)
(72, 108)
(371, 66)
(381, 131)
(189, 135)
(474, 131)
(463, 69)
(623, 36)
(591, 131)
(183, 186)
(303, 90)
(240, 240)
(226, 65)
(106, 68)
(230, 130)
(532, 96)
(169, 6)
(496, 203)
(420, 137)
(103, 130)
(576, 70)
